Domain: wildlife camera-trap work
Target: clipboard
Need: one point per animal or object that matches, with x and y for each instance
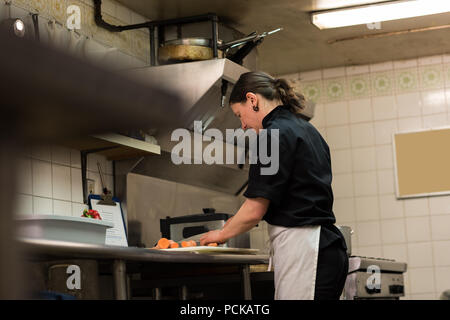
(117, 235)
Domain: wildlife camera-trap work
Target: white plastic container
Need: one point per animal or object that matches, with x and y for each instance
(63, 228)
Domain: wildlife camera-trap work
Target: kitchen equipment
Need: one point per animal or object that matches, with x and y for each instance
(183, 227)
(195, 49)
(106, 194)
(362, 283)
(62, 228)
(347, 233)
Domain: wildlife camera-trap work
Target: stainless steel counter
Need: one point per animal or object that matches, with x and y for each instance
(38, 249)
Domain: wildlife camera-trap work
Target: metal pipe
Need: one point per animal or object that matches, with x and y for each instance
(120, 280)
(152, 46)
(215, 35)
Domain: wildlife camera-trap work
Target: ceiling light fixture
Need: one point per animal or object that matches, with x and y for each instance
(379, 12)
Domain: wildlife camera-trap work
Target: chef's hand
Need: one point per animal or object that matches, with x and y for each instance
(212, 236)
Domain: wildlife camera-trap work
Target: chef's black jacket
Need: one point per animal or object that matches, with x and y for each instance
(300, 192)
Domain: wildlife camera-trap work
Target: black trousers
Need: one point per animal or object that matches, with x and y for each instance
(332, 268)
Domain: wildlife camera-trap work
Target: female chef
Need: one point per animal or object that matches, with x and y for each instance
(308, 251)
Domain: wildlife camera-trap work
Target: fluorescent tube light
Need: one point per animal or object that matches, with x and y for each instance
(378, 12)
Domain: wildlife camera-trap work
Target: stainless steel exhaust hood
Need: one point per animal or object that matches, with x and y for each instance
(205, 86)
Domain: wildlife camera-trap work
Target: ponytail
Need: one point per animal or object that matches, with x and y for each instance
(293, 101)
(269, 88)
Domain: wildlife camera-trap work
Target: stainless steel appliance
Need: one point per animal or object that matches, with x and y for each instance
(374, 278)
(183, 227)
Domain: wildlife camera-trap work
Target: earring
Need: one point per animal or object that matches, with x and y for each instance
(255, 108)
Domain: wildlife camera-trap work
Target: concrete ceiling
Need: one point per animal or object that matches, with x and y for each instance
(301, 46)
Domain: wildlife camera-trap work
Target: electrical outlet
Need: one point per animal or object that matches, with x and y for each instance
(90, 186)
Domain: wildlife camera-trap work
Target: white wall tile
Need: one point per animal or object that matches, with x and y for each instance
(344, 210)
(420, 254)
(409, 105)
(360, 110)
(42, 206)
(42, 152)
(416, 207)
(384, 108)
(342, 185)
(62, 208)
(433, 101)
(386, 181)
(123, 14)
(390, 207)
(333, 72)
(442, 276)
(418, 229)
(370, 251)
(310, 75)
(61, 155)
(435, 121)
(384, 131)
(382, 66)
(393, 231)
(401, 64)
(429, 60)
(23, 205)
(421, 280)
(336, 113)
(368, 233)
(42, 178)
(364, 159)
(365, 183)
(77, 186)
(338, 137)
(398, 252)
(439, 205)
(362, 135)
(318, 120)
(61, 183)
(441, 251)
(440, 228)
(410, 124)
(341, 161)
(385, 157)
(109, 7)
(367, 208)
(353, 70)
(24, 176)
(75, 158)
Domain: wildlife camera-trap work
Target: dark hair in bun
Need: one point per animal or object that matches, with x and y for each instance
(269, 88)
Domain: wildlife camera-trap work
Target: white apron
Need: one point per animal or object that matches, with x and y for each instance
(294, 252)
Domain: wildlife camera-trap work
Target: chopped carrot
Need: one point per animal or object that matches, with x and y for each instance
(163, 243)
(212, 244)
(185, 244)
(174, 245)
(193, 243)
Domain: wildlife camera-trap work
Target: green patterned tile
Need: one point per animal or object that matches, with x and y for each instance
(312, 90)
(406, 80)
(431, 77)
(382, 83)
(359, 86)
(335, 89)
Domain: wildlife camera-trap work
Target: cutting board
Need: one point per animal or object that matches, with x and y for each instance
(215, 250)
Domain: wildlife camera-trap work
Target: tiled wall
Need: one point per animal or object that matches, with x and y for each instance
(50, 181)
(358, 109)
(50, 176)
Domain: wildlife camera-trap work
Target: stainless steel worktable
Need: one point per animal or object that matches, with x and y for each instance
(38, 249)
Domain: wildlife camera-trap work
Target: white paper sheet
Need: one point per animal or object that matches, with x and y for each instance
(115, 236)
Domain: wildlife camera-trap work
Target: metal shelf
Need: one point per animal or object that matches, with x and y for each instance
(113, 146)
